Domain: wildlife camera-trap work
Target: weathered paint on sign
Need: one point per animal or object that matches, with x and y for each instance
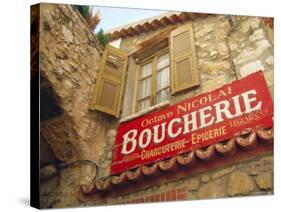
(194, 123)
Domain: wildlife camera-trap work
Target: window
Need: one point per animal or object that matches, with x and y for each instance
(170, 70)
(154, 80)
(167, 65)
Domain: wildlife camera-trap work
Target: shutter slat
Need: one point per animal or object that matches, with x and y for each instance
(184, 71)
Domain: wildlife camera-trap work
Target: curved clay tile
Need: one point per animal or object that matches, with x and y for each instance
(191, 16)
(174, 19)
(247, 131)
(114, 35)
(247, 143)
(266, 136)
(131, 31)
(152, 170)
(201, 15)
(156, 24)
(139, 28)
(104, 184)
(183, 16)
(226, 149)
(120, 179)
(88, 189)
(168, 165)
(244, 141)
(147, 27)
(123, 33)
(135, 175)
(99, 184)
(186, 159)
(243, 132)
(165, 21)
(207, 154)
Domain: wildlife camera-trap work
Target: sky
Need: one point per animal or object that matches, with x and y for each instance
(112, 17)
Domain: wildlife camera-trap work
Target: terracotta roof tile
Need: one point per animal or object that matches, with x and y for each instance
(245, 142)
(153, 23)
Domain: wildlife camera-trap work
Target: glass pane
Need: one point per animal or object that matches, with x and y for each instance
(163, 78)
(145, 88)
(163, 61)
(144, 104)
(146, 70)
(163, 95)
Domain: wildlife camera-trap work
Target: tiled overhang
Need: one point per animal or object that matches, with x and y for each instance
(248, 144)
(153, 24)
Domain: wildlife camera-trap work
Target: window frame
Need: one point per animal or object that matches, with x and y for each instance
(152, 59)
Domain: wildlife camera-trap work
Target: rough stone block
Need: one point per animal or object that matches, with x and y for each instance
(68, 36)
(205, 29)
(111, 133)
(270, 60)
(222, 49)
(264, 181)
(239, 183)
(262, 44)
(205, 178)
(211, 190)
(213, 83)
(49, 186)
(252, 52)
(268, 160)
(213, 54)
(269, 78)
(193, 185)
(191, 196)
(47, 171)
(222, 172)
(257, 35)
(210, 67)
(233, 45)
(250, 23)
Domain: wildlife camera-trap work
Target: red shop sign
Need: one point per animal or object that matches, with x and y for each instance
(193, 123)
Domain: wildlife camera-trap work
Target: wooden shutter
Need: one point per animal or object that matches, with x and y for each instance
(109, 85)
(184, 71)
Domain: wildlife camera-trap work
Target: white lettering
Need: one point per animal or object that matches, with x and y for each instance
(237, 106)
(171, 126)
(128, 138)
(204, 116)
(248, 101)
(147, 135)
(222, 110)
(187, 122)
(157, 140)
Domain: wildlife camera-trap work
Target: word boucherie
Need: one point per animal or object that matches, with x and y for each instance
(218, 112)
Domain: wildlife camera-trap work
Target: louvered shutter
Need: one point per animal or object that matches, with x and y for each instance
(184, 71)
(109, 85)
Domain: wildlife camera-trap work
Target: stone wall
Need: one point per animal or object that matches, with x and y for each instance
(81, 139)
(227, 47)
(214, 57)
(254, 177)
(251, 48)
